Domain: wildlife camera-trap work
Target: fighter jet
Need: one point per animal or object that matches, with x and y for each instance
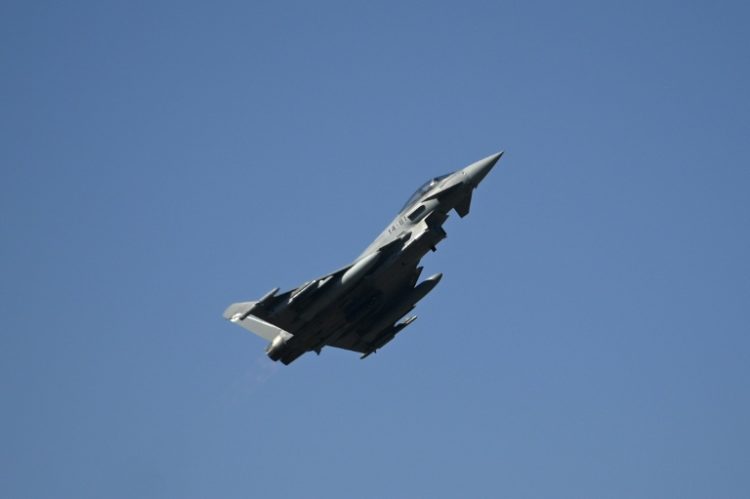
(358, 307)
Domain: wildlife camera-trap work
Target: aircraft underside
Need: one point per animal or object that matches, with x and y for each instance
(359, 306)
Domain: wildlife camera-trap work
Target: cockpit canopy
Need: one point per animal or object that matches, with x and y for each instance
(424, 189)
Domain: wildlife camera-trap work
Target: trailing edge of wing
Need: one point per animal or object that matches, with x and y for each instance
(255, 325)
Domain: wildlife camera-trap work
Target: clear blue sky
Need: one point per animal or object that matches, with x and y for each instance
(590, 339)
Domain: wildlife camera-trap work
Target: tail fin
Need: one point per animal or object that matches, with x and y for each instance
(237, 313)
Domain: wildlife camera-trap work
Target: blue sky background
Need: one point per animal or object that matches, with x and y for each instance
(591, 337)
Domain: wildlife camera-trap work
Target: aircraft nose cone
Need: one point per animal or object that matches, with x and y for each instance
(476, 172)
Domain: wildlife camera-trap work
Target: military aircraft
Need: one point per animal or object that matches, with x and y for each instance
(357, 307)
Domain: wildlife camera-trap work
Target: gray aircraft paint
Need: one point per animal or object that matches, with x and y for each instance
(358, 306)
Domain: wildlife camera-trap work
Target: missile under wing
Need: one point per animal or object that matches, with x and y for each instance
(359, 307)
